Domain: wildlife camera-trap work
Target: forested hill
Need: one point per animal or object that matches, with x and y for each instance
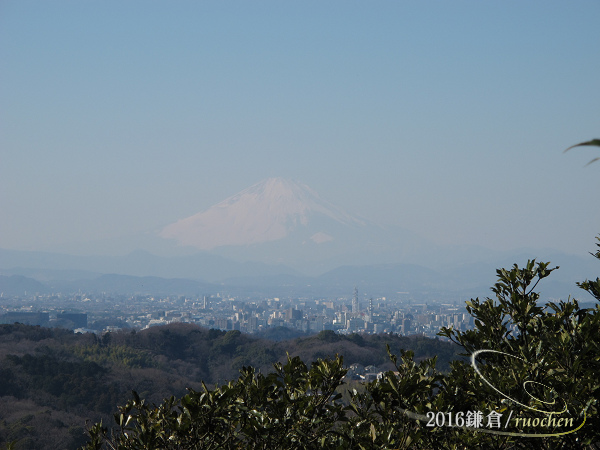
(53, 380)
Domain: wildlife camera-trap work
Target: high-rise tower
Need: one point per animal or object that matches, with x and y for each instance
(355, 305)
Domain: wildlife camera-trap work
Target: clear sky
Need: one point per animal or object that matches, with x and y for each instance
(448, 118)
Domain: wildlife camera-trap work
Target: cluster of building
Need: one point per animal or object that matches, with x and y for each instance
(70, 320)
(100, 313)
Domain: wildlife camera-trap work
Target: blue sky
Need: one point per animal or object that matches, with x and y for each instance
(447, 118)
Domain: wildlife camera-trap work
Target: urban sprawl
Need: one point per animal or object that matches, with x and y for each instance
(104, 313)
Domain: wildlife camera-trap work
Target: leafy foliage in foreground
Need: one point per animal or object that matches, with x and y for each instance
(534, 356)
(593, 143)
(293, 407)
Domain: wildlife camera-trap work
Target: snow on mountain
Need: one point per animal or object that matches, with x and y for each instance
(268, 211)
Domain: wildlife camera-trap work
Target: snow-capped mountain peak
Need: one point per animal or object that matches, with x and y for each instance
(267, 211)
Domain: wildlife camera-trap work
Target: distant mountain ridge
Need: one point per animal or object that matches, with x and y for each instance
(19, 285)
(177, 276)
(200, 266)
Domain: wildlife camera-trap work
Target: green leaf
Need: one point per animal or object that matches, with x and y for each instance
(593, 142)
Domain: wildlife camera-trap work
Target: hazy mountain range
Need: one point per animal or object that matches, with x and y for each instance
(281, 236)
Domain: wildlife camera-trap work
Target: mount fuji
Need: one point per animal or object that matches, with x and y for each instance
(268, 211)
(280, 221)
